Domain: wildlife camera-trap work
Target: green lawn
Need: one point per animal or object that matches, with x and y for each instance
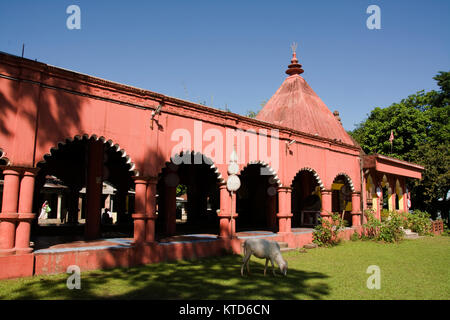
(412, 269)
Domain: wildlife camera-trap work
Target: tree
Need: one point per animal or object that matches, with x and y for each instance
(252, 114)
(421, 128)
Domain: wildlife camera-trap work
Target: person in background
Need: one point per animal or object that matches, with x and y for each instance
(45, 209)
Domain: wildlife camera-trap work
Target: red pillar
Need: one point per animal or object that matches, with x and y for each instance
(393, 199)
(225, 211)
(170, 198)
(139, 206)
(150, 209)
(26, 216)
(356, 209)
(284, 215)
(326, 204)
(227, 205)
(94, 189)
(233, 215)
(9, 215)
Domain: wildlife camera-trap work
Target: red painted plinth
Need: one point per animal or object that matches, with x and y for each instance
(16, 266)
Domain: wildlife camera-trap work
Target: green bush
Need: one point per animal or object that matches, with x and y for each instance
(387, 230)
(384, 214)
(371, 228)
(419, 221)
(446, 231)
(391, 229)
(354, 236)
(326, 233)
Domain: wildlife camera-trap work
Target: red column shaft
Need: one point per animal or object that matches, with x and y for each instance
(10, 198)
(225, 211)
(9, 215)
(25, 212)
(94, 189)
(356, 209)
(139, 207)
(233, 215)
(284, 215)
(326, 204)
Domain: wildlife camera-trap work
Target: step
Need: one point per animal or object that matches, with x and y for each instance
(283, 244)
(412, 235)
(287, 249)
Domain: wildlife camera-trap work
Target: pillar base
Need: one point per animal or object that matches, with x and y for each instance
(139, 228)
(225, 226)
(23, 250)
(356, 219)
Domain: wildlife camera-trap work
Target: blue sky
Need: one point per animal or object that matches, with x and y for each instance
(235, 53)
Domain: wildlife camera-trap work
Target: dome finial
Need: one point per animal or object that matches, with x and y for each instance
(294, 67)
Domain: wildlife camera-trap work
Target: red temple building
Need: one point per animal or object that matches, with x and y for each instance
(159, 166)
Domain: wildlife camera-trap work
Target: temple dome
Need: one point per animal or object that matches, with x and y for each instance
(295, 105)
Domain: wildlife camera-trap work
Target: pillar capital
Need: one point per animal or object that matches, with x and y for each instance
(139, 180)
(26, 216)
(284, 189)
(18, 170)
(10, 171)
(9, 217)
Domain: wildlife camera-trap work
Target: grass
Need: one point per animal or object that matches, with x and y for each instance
(412, 269)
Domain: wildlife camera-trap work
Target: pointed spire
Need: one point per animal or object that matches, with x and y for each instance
(294, 67)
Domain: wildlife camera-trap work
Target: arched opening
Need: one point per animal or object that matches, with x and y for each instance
(306, 199)
(87, 186)
(341, 199)
(257, 201)
(188, 197)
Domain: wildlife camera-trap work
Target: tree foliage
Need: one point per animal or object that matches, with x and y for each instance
(421, 128)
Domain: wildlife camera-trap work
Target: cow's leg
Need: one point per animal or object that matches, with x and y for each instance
(246, 261)
(273, 267)
(265, 267)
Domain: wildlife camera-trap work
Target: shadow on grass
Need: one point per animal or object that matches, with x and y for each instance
(211, 278)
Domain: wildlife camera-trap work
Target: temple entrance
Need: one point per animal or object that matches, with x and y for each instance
(306, 200)
(257, 201)
(341, 199)
(188, 197)
(83, 191)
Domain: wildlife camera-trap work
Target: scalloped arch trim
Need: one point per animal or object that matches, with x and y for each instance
(315, 174)
(349, 180)
(206, 160)
(270, 170)
(109, 143)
